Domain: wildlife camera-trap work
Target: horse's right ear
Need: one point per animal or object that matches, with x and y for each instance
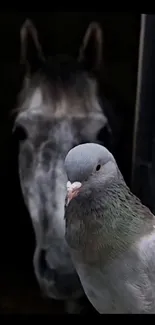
(31, 52)
(90, 53)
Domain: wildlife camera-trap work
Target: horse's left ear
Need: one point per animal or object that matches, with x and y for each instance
(31, 52)
(90, 53)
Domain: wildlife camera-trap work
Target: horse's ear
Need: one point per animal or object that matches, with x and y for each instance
(31, 52)
(90, 53)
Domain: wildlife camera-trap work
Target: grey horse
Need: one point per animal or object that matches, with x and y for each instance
(58, 108)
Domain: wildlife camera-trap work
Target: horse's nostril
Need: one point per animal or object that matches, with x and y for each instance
(64, 282)
(20, 133)
(42, 262)
(45, 270)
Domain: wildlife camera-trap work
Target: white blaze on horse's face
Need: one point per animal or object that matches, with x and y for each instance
(58, 109)
(36, 101)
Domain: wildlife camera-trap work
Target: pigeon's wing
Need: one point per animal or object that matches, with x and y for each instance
(135, 274)
(131, 276)
(127, 284)
(96, 290)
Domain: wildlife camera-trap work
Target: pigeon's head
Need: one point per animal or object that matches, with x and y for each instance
(88, 165)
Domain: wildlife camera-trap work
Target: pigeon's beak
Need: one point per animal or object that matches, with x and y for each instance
(72, 190)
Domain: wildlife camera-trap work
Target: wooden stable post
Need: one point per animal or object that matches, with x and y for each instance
(143, 158)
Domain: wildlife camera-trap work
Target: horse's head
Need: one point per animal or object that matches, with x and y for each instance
(58, 107)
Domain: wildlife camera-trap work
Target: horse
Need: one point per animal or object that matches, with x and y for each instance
(58, 107)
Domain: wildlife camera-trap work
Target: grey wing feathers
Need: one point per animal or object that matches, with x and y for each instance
(127, 284)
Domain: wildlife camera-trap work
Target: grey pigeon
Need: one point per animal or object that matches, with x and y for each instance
(110, 234)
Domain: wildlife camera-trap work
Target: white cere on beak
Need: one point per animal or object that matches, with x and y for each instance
(72, 190)
(72, 186)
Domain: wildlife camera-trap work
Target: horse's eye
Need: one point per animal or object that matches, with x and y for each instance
(98, 167)
(20, 133)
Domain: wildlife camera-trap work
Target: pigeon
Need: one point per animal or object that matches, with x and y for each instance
(110, 234)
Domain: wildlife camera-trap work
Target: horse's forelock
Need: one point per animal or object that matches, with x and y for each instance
(59, 95)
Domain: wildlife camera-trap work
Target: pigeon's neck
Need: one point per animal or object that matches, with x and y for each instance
(121, 219)
(122, 211)
(111, 223)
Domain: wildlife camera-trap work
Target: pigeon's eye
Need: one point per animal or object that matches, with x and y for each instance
(98, 167)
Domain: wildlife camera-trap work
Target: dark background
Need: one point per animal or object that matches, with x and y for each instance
(59, 32)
